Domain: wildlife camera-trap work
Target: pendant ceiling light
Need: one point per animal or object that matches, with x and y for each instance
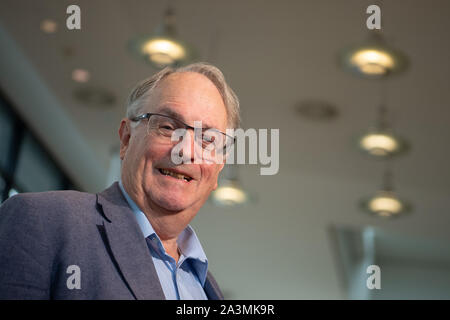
(229, 191)
(163, 48)
(385, 203)
(380, 141)
(373, 59)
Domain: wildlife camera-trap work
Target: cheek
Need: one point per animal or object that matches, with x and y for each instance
(212, 174)
(137, 153)
(154, 154)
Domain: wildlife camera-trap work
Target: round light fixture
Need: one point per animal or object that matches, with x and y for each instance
(382, 143)
(163, 48)
(229, 193)
(385, 204)
(373, 59)
(317, 110)
(80, 75)
(163, 51)
(49, 26)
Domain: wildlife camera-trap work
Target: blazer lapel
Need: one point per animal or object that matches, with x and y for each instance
(212, 288)
(128, 245)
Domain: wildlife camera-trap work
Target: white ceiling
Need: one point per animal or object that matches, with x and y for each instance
(274, 54)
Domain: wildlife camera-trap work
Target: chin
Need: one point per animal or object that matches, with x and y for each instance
(173, 202)
(174, 207)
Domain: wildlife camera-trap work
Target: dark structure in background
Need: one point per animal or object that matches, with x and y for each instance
(25, 164)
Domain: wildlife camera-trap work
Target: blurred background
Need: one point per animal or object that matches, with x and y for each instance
(340, 202)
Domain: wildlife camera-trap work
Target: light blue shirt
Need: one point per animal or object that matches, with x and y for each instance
(184, 280)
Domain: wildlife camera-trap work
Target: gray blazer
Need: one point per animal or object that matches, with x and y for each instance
(43, 234)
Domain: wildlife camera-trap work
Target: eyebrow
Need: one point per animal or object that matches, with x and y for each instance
(171, 113)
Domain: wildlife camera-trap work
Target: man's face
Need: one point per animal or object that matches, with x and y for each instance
(192, 97)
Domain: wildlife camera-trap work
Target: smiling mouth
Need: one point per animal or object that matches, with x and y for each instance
(174, 175)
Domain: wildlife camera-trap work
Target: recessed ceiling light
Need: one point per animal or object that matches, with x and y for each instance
(95, 97)
(317, 110)
(49, 26)
(81, 75)
(68, 51)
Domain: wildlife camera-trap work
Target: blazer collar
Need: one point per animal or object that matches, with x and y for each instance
(211, 288)
(128, 246)
(130, 249)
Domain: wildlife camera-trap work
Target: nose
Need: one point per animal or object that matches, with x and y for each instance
(189, 150)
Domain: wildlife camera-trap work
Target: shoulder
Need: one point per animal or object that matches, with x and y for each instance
(49, 207)
(48, 197)
(48, 201)
(49, 217)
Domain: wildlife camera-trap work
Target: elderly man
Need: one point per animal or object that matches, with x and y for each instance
(133, 240)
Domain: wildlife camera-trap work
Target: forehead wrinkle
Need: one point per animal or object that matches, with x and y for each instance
(166, 110)
(169, 91)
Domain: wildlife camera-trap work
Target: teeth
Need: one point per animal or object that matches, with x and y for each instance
(175, 175)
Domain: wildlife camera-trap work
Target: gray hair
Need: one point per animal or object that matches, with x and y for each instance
(143, 89)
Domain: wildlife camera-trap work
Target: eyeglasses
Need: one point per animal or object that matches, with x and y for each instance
(164, 126)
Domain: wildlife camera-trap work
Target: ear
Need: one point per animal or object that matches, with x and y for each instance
(124, 135)
(220, 169)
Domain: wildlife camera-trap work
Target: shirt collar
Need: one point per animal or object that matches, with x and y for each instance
(187, 241)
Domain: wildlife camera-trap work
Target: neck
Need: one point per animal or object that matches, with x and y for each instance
(171, 248)
(168, 228)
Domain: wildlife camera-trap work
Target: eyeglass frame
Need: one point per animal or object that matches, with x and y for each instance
(146, 116)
